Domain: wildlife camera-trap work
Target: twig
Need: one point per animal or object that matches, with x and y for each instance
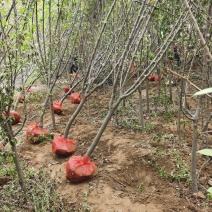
(202, 167)
(168, 70)
(15, 204)
(206, 123)
(157, 8)
(198, 30)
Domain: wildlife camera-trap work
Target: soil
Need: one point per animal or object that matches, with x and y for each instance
(127, 177)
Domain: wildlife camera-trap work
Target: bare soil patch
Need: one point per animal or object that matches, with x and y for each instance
(127, 178)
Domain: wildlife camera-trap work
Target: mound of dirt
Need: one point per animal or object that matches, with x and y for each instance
(124, 181)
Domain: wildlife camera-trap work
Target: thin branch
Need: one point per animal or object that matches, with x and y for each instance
(185, 78)
(156, 8)
(206, 123)
(198, 30)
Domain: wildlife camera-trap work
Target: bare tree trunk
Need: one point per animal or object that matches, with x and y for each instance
(205, 126)
(18, 168)
(196, 116)
(147, 97)
(171, 81)
(205, 70)
(52, 113)
(88, 72)
(141, 108)
(159, 88)
(43, 110)
(76, 112)
(103, 127)
(116, 120)
(147, 89)
(195, 120)
(179, 132)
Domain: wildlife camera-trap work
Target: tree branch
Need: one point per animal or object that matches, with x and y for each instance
(198, 30)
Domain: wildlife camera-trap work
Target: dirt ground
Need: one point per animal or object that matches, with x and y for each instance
(127, 177)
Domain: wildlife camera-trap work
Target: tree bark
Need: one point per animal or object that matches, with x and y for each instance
(71, 120)
(18, 167)
(103, 127)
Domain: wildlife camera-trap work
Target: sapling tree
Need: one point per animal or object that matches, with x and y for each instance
(195, 114)
(14, 48)
(207, 152)
(200, 34)
(122, 72)
(90, 75)
(55, 43)
(106, 59)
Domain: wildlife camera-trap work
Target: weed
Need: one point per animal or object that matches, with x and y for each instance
(41, 195)
(149, 127)
(205, 204)
(162, 153)
(157, 136)
(41, 138)
(168, 115)
(7, 167)
(95, 104)
(174, 153)
(131, 124)
(183, 122)
(149, 163)
(154, 114)
(181, 171)
(141, 188)
(155, 151)
(86, 207)
(209, 196)
(163, 100)
(168, 137)
(36, 96)
(162, 172)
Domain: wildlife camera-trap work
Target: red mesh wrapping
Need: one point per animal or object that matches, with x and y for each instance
(151, 77)
(1, 146)
(75, 98)
(156, 78)
(57, 107)
(29, 90)
(66, 88)
(133, 65)
(16, 117)
(21, 98)
(35, 134)
(3, 115)
(62, 146)
(79, 168)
